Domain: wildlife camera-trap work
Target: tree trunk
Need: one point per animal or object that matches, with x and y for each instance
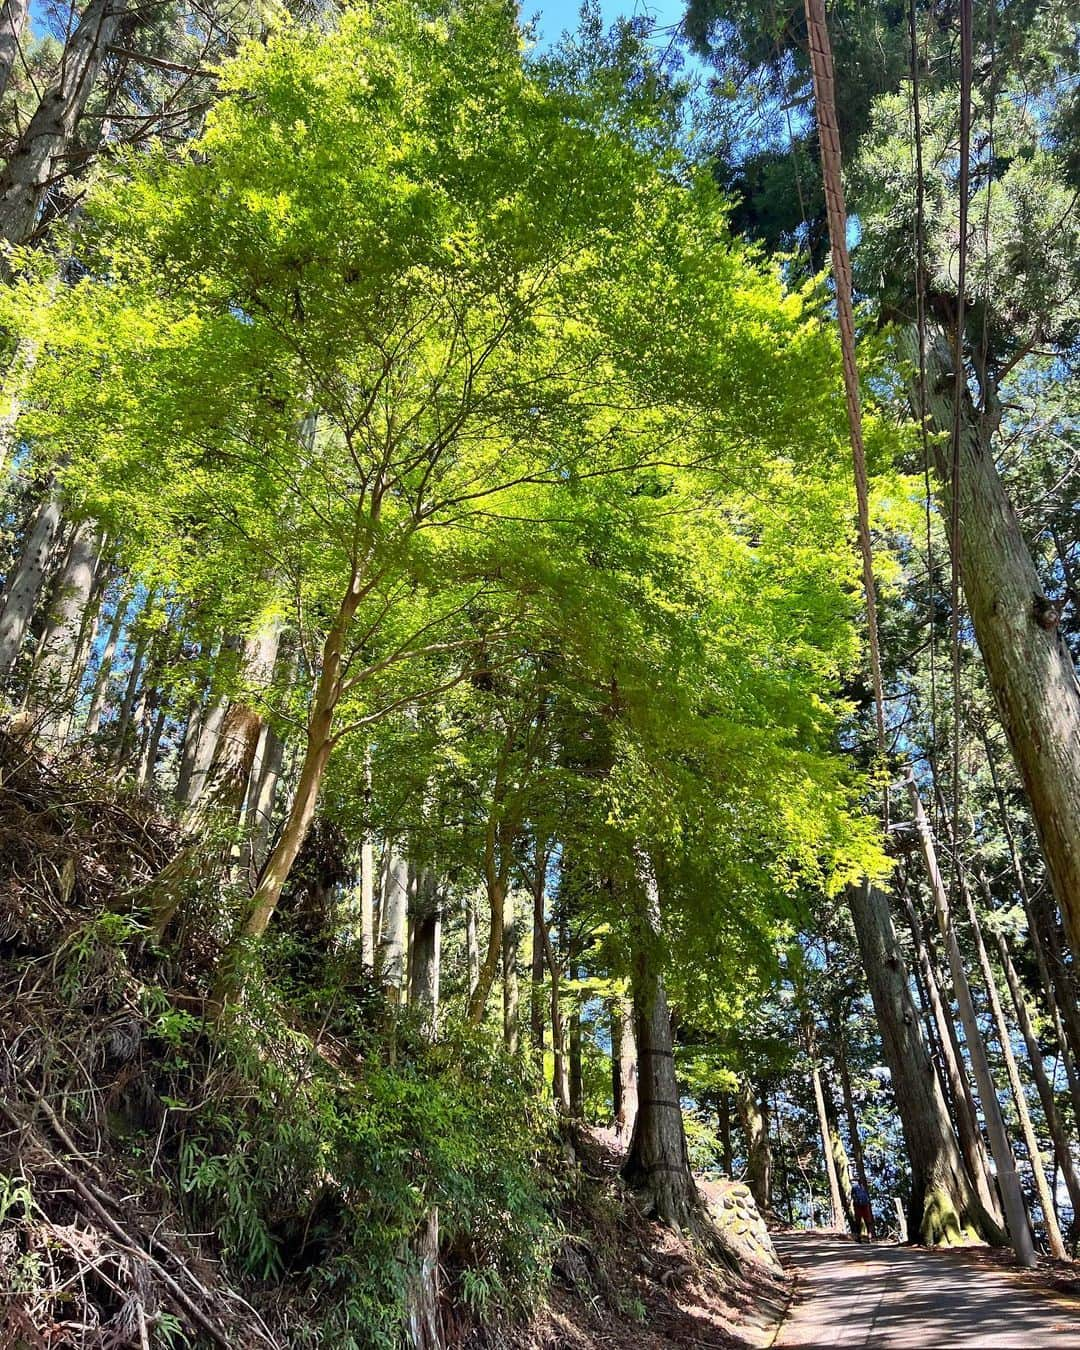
(488, 968)
(12, 22)
(1027, 661)
(1005, 1164)
(100, 689)
(944, 1206)
(89, 632)
(394, 908)
(367, 903)
(624, 1069)
(1054, 1123)
(190, 787)
(723, 1126)
(933, 1041)
(560, 1081)
(145, 775)
(1043, 1188)
(264, 800)
(227, 778)
(510, 990)
(39, 156)
(472, 943)
(498, 853)
(127, 705)
(1062, 986)
(367, 876)
(536, 987)
(24, 359)
(426, 949)
(783, 1171)
(59, 673)
(220, 804)
(1064, 1027)
(577, 1082)
(753, 1115)
(967, 1122)
(27, 579)
(849, 1109)
(317, 750)
(422, 1331)
(657, 1163)
(836, 1200)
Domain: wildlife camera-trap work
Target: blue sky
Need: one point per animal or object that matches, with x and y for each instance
(558, 15)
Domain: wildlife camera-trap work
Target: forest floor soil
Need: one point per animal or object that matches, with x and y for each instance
(628, 1283)
(888, 1297)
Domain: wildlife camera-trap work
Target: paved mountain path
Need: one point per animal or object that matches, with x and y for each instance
(877, 1298)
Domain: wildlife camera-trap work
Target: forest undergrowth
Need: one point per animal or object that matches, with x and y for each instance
(277, 1177)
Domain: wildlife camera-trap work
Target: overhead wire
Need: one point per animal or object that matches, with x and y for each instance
(959, 391)
(921, 340)
(821, 65)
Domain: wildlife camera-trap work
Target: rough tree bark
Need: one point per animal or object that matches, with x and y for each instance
(1005, 1163)
(1054, 1123)
(24, 586)
(189, 787)
(59, 673)
(944, 1206)
(13, 15)
(1067, 1026)
(426, 948)
(393, 934)
(754, 1118)
(1027, 661)
(624, 1082)
(657, 1163)
(964, 1114)
(39, 155)
(1043, 1186)
(227, 777)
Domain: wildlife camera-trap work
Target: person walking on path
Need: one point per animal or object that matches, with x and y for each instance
(864, 1215)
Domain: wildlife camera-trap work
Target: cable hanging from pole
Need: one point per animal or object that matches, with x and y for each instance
(821, 64)
(959, 390)
(921, 341)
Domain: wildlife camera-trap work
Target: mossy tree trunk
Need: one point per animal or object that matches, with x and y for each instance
(964, 1115)
(1012, 1197)
(943, 1206)
(754, 1118)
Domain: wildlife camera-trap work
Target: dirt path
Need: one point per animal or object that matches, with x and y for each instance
(871, 1297)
